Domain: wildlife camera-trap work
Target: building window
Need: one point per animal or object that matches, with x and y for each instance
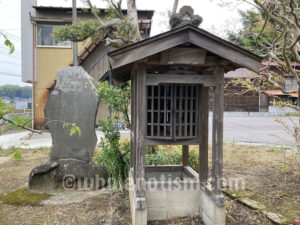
(172, 111)
(44, 37)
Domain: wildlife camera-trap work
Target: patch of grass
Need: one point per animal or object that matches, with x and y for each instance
(292, 114)
(34, 151)
(17, 154)
(238, 194)
(24, 197)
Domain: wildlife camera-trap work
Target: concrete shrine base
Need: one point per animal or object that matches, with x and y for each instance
(174, 191)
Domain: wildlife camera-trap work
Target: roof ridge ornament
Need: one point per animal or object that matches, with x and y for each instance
(185, 16)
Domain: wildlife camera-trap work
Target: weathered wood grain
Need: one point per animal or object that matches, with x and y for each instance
(185, 155)
(140, 129)
(156, 79)
(217, 134)
(203, 129)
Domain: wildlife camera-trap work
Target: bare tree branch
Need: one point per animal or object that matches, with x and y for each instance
(21, 126)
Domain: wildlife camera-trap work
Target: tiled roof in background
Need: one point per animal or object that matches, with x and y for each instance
(241, 73)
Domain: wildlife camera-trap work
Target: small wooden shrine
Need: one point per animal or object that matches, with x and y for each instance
(171, 76)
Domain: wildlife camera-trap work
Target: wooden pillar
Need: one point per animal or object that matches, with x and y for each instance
(140, 123)
(185, 155)
(133, 124)
(217, 135)
(203, 130)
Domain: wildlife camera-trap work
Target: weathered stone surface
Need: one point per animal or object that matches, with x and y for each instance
(251, 203)
(185, 16)
(275, 218)
(40, 177)
(74, 100)
(67, 174)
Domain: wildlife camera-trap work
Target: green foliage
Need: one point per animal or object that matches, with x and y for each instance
(113, 155)
(125, 31)
(13, 91)
(117, 98)
(110, 13)
(19, 120)
(252, 24)
(24, 197)
(167, 155)
(9, 44)
(17, 154)
(73, 128)
(78, 32)
(4, 108)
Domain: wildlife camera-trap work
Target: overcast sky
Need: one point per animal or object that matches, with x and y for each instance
(216, 19)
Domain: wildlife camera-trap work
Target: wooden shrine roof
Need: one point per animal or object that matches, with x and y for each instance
(239, 57)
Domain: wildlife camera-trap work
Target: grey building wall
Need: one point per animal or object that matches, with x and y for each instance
(27, 38)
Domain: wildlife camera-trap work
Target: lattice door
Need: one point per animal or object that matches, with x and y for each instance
(172, 111)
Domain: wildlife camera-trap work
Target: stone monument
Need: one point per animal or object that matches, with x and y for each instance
(74, 100)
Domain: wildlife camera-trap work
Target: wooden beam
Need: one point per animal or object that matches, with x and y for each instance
(217, 134)
(133, 123)
(185, 155)
(209, 61)
(225, 51)
(194, 141)
(164, 168)
(190, 56)
(203, 131)
(156, 79)
(141, 113)
(144, 51)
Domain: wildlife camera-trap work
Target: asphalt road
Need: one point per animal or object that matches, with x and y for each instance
(262, 130)
(257, 130)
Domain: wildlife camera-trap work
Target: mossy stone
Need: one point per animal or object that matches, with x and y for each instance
(23, 196)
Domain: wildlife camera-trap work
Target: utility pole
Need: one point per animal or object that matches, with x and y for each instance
(74, 21)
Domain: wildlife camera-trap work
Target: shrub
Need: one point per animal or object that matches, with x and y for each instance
(171, 155)
(163, 155)
(113, 155)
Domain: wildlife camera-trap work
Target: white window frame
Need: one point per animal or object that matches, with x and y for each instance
(50, 46)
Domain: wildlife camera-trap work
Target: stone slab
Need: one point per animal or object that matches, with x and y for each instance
(74, 100)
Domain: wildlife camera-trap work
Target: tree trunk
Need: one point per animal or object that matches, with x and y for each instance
(298, 128)
(133, 16)
(297, 136)
(175, 7)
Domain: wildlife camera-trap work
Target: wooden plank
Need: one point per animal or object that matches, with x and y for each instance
(133, 124)
(156, 79)
(217, 136)
(144, 51)
(185, 155)
(141, 115)
(194, 56)
(225, 51)
(193, 141)
(164, 168)
(152, 109)
(209, 61)
(203, 130)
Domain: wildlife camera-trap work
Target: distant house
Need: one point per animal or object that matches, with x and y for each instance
(236, 99)
(23, 104)
(42, 56)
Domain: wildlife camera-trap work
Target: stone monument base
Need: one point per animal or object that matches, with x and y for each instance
(69, 174)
